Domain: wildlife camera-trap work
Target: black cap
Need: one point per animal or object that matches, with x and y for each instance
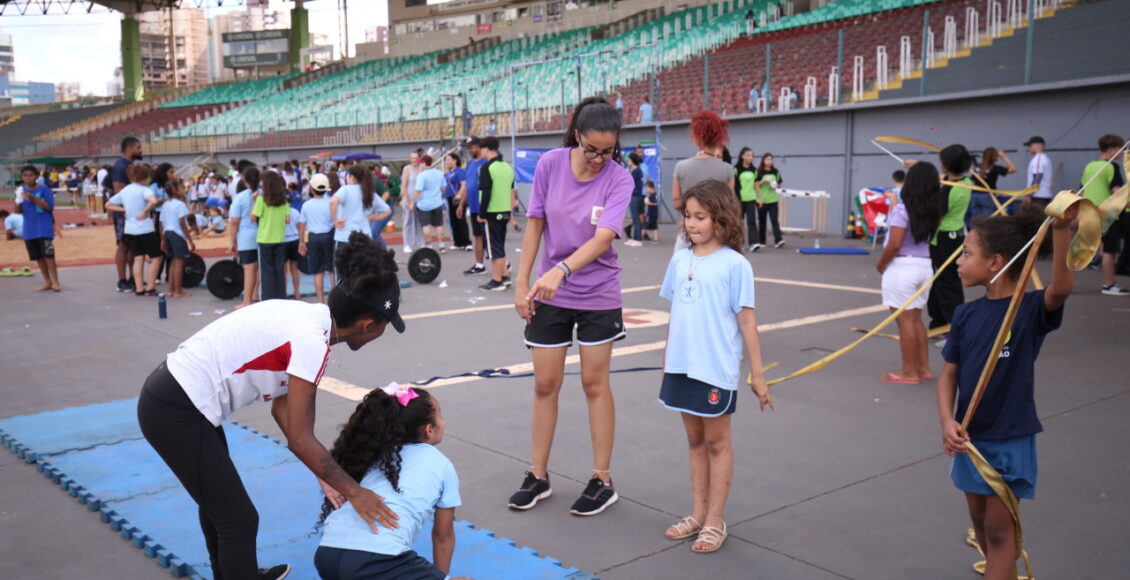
(1036, 139)
(387, 302)
(470, 141)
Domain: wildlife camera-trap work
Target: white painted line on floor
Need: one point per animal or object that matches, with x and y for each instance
(355, 393)
(840, 287)
(473, 309)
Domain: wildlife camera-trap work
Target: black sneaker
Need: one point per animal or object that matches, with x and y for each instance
(495, 286)
(475, 270)
(124, 286)
(274, 573)
(532, 491)
(595, 499)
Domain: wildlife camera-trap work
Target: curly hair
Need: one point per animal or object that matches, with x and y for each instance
(274, 189)
(709, 130)
(720, 202)
(374, 435)
(1007, 234)
(364, 267)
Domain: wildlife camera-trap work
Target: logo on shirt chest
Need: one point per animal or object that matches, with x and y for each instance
(690, 291)
(1006, 349)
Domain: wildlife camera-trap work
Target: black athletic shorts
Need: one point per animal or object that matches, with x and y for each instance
(248, 257)
(40, 249)
(553, 326)
(496, 234)
(144, 244)
(431, 217)
(1112, 241)
(291, 250)
(119, 225)
(175, 246)
(476, 227)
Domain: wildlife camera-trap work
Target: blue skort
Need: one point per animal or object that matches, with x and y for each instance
(1014, 459)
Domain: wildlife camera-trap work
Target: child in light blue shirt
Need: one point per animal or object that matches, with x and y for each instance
(710, 286)
(402, 465)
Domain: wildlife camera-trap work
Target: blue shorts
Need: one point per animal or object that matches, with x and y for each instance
(684, 394)
(216, 202)
(1014, 459)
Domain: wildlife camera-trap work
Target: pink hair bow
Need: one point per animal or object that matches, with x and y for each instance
(403, 394)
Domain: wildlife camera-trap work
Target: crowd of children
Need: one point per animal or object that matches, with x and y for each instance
(581, 192)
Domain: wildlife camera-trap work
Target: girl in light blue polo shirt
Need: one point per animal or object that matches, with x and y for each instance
(389, 446)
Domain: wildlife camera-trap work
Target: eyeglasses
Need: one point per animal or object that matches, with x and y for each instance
(592, 154)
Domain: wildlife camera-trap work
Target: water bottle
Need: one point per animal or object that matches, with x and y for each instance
(162, 311)
(816, 243)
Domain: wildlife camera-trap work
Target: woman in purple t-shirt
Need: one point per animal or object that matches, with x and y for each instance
(905, 266)
(577, 206)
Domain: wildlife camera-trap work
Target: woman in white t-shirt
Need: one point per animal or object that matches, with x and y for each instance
(265, 352)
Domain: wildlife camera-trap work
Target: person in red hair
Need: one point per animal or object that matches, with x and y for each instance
(710, 135)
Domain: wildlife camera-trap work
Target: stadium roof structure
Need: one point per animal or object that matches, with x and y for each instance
(123, 6)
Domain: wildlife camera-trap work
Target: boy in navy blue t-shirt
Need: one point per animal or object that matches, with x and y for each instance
(1004, 425)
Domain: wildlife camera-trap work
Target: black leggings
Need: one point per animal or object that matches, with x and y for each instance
(749, 208)
(197, 453)
(947, 293)
(769, 210)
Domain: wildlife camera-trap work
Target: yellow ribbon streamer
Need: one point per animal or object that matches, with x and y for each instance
(825, 361)
(909, 141)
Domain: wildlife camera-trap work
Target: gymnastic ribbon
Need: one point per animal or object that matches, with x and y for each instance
(825, 361)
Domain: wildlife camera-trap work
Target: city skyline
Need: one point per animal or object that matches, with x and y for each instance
(85, 47)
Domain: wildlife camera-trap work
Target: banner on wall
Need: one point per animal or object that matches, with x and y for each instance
(651, 162)
(525, 161)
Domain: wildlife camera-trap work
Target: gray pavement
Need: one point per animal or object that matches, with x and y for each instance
(845, 480)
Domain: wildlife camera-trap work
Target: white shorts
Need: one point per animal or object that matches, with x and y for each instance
(903, 278)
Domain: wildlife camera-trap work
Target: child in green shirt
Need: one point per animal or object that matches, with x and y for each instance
(272, 213)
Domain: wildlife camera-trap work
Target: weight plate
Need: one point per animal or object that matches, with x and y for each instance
(424, 265)
(194, 270)
(225, 279)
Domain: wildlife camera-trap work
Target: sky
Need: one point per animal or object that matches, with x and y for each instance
(87, 47)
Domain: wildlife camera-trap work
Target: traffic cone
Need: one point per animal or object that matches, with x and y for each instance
(851, 233)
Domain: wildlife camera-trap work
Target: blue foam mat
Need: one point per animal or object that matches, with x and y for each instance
(98, 455)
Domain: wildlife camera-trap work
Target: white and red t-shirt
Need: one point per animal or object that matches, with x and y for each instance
(246, 356)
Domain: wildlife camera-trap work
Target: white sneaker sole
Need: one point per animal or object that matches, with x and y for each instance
(615, 498)
(545, 495)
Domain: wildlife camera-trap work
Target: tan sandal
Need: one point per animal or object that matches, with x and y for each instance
(711, 536)
(971, 540)
(684, 529)
(979, 567)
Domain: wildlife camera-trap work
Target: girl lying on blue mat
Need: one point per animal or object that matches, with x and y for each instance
(388, 445)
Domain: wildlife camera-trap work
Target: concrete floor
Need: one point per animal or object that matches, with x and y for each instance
(845, 480)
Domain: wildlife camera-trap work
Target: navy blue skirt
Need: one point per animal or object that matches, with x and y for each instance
(687, 395)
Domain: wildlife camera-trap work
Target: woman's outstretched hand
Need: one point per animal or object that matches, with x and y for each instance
(372, 509)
